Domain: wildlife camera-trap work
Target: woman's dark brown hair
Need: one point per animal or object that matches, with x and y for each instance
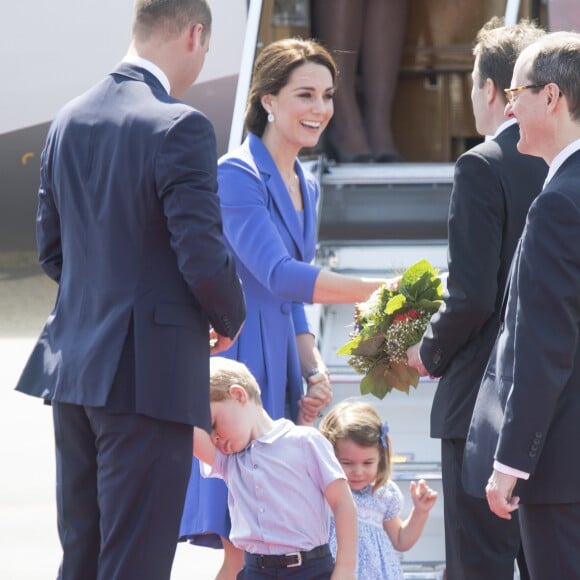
(272, 71)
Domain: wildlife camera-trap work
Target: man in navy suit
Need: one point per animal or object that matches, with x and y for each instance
(493, 188)
(129, 226)
(526, 421)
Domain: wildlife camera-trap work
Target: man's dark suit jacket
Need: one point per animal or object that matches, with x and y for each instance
(527, 414)
(129, 225)
(493, 188)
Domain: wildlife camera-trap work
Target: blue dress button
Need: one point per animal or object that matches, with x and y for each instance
(285, 307)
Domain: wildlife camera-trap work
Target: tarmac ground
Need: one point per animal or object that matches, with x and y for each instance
(29, 545)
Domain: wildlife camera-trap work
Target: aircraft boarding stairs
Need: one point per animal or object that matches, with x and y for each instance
(377, 220)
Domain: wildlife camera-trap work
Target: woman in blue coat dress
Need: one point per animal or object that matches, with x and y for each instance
(269, 214)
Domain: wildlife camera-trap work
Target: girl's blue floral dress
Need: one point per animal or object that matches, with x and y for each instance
(377, 558)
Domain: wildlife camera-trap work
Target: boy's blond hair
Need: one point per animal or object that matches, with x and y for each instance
(224, 372)
(360, 423)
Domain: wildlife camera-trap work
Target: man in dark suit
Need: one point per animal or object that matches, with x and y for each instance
(526, 421)
(493, 188)
(129, 227)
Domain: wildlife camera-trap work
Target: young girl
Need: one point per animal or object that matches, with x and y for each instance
(363, 448)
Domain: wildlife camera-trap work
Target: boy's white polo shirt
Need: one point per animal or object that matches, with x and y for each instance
(276, 489)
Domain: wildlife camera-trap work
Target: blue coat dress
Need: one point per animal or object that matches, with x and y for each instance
(274, 246)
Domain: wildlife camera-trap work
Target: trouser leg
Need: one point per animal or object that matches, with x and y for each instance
(143, 470)
(478, 544)
(551, 537)
(76, 493)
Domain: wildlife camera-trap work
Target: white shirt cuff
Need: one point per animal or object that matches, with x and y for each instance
(510, 470)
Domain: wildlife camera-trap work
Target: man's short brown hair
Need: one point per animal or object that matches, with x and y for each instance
(498, 48)
(169, 17)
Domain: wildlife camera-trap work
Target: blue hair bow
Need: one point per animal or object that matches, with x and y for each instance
(384, 431)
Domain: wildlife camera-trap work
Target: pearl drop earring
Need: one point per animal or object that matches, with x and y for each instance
(270, 117)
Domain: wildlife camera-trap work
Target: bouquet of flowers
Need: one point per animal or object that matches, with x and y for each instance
(387, 324)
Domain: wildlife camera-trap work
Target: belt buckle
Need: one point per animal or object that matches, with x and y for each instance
(298, 563)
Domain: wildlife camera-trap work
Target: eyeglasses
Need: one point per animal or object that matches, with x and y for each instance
(510, 94)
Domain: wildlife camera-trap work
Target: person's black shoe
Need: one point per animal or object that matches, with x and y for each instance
(335, 151)
(388, 158)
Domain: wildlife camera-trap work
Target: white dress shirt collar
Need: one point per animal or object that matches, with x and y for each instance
(152, 68)
(560, 158)
(507, 123)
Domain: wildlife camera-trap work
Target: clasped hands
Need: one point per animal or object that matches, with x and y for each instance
(317, 397)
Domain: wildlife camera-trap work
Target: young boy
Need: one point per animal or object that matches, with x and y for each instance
(281, 481)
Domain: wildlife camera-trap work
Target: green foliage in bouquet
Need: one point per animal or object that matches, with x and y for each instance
(387, 324)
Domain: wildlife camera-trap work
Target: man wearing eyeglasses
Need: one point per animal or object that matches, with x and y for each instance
(493, 188)
(526, 422)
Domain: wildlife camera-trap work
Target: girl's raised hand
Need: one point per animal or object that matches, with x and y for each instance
(422, 495)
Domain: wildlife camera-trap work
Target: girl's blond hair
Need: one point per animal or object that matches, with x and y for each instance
(360, 423)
